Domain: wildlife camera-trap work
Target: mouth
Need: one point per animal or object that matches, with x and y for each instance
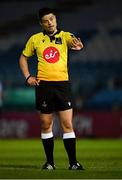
(50, 27)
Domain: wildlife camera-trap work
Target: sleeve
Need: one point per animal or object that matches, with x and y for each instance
(69, 36)
(29, 48)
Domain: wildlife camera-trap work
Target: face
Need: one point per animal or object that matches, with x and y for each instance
(49, 23)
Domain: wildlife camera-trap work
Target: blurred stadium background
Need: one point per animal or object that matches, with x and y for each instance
(96, 71)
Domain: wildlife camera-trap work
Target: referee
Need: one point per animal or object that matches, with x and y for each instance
(52, 83)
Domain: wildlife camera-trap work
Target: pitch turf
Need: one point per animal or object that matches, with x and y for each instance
(23, 159)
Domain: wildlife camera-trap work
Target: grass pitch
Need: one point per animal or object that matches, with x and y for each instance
(22, 159)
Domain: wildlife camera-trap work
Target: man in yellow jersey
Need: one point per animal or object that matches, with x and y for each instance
(52, 83)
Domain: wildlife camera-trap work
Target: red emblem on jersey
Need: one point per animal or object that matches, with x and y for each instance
(51, 54)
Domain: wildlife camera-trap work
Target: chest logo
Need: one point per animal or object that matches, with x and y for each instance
(51, 54)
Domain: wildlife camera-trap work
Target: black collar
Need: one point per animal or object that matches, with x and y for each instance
(57, 32)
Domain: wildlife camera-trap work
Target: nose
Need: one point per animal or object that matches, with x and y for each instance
(49, 22)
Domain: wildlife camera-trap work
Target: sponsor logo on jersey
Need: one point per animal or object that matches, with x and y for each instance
(58, 40)
(51, 54)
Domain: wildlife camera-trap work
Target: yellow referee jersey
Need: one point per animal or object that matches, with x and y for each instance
(52, 54)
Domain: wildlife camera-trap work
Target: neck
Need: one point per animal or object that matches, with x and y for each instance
(51, 33)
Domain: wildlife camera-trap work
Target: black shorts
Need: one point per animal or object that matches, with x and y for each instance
(53, 96)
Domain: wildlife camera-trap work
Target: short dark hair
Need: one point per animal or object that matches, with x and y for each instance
(44, 11)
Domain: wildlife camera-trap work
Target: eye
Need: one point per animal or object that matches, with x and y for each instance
(51, 18)
(45, 21)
